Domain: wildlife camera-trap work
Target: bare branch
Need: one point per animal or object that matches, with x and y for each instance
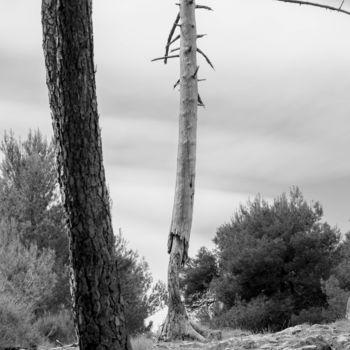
(204, 7)
(327, 7)
(341, 5)
(174, 40)
(177, 83)
(201, 36)
(206, 58)
(194, 76)
(200, 101)
(162, 58)
(176, 49)
(176, 22)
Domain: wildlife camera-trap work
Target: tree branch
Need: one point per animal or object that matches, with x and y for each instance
(327, 7)
(204, 7)
(206, 58)
(164, 57)
(169, 42)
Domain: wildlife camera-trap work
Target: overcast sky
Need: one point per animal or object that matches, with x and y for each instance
(277, 108)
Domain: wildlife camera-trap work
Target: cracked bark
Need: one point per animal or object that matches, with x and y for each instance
(177, 324)
(68, 51)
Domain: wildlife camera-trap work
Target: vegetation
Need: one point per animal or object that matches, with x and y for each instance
(34, 264)
(274, 265)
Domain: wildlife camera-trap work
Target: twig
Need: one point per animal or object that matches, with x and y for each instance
(201, 36)
(341, 5)
(194, 76)
(177, 83)
(204, 7)
(176, 49)
(175, 39)
(200, 101)
(176, 22)
(162, 58)
(316, 5)
(206, 58)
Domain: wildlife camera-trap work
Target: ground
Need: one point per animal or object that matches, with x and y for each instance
(334, 336)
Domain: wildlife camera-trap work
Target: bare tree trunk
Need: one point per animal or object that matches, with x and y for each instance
(177, 324)
(68, 50)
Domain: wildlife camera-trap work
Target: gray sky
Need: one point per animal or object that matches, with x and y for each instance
(277, 108)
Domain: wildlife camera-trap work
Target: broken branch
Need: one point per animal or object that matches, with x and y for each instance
(204, 7)
(177, 83)
(200, 101)
(176, 22)
(206, 57)
(163, 58)
(194, 76)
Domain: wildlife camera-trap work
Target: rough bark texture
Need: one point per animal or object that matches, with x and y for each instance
(177, 324)
(68, 50)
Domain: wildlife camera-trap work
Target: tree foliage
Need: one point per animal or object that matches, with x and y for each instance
(198, 274)
(135, 281)
(30, 205)
(275, 254)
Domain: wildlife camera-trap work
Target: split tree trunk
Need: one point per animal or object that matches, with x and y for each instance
(68, 50)
(177, 324)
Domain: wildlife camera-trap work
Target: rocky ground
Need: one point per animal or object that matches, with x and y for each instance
(335, 336)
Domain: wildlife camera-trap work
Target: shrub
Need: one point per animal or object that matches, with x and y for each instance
(26, 273)
(311, 315)
(257, 315)
(58, 326)
(274, 254)
(337, 298)
(16, 323)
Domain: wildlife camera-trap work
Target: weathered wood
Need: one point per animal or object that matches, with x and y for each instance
(68, 50)
(177, 324)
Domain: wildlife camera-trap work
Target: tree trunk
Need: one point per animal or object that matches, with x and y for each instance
(177, 324)
(68, 50)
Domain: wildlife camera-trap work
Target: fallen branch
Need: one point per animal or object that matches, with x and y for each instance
(206, 58)
(327, 7)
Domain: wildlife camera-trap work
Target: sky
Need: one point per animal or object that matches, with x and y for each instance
(277, 109)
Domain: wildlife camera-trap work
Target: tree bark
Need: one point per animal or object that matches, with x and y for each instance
(68, 50)
(177, 324)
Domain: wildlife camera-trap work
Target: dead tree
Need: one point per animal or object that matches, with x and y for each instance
(68, 50)
(177, 324)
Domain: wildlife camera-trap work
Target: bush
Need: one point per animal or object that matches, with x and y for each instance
(58, 326)
(311, 315)
(336, 299)
(16, 323)
(258, 315)
(274, 255)
(197, 275)
(26, 273)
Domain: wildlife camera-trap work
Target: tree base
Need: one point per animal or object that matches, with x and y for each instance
(180, 327)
